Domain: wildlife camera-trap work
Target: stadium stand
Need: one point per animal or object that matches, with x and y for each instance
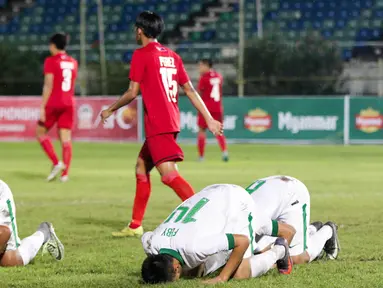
(192, 21)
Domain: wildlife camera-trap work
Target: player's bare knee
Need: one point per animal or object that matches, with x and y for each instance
(167, 168)
(5, 234)
(244, 270)
(301, 258)
(40, 131)
(140, 167)
(65, 135)
(11, 258)
(168, 178)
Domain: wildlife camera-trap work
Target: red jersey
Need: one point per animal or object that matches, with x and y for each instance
(210, 87)
(159, 71)
(64, 70)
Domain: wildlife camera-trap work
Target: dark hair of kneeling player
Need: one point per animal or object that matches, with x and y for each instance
(158, 269)
(151, 24)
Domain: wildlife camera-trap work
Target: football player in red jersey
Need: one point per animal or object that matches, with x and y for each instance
(158, 71)
(57, 107)
(210, 88)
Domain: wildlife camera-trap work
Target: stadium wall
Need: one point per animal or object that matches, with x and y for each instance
(280, 120)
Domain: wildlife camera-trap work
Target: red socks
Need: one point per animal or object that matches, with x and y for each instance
(201, 144)
(178, 184)
(173, 180)
(48, 148)
(67, 156)
(141, 199)
(222, 142)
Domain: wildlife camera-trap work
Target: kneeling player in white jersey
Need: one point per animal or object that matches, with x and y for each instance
(221, 219)
(14, 252)
(287, 199)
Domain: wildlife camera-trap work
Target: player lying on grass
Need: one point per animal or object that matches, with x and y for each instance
(287, 200)
(220, 219)
(14, 252)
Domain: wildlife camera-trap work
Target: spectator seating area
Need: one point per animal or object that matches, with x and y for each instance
(338, 20)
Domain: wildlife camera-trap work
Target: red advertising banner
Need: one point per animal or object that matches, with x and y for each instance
(19, 115)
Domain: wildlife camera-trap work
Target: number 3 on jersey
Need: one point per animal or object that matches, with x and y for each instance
(170, 85)
(66, 85)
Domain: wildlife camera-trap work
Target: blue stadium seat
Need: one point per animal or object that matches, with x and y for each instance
(127, 57)
(347, 54)
(340, 24)
(208, 35)
(334, 19)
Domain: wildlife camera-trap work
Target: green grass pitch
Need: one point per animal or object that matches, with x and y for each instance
(346, 186)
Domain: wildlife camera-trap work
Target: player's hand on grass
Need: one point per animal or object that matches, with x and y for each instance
(215, 127)
(105, 114)
(213, 281)
(42, 114)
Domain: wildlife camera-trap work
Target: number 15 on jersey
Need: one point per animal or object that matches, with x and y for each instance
(170, 85)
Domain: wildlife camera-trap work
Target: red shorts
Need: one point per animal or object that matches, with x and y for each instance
(64, 117)
(161, 148)
(216, 116)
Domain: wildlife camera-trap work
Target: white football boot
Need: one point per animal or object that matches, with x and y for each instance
(53, 245)
(56, 170)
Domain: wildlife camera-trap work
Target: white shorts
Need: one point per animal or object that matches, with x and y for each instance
(8, 215)
(241, 221)
(296, 213)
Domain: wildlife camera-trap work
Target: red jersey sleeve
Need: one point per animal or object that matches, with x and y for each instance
(183, 76)
(48, 66)
(137, 68)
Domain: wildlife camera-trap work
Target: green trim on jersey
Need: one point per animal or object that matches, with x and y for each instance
(173, 253)
(11, 215)
(230, 240)
(251, 232)
(275, 228)
(304, 214)
(255, 186)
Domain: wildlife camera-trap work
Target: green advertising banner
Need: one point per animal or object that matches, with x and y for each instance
(366, 120)
(274, 119)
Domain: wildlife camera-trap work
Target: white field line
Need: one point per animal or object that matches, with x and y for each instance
(69, 203)
(84, 202)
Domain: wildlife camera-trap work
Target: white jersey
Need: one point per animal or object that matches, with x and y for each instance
(205, 224)
(8, 215)
(285, 199)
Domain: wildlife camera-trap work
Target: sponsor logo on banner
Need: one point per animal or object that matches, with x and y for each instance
(369, 120)
(125, 118)
(14, 119)
(258, 120)
(85, 116)
(188, 121)
(19, 116)
(295, 123)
